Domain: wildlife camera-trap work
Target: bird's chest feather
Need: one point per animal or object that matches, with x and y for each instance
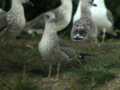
(16, 17)
(47, 45)
(99, 16)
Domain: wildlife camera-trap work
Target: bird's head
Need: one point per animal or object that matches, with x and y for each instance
(50, 25)
(79, 35)
(49, 17)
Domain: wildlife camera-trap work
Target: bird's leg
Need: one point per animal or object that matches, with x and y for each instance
(103, 36)
(50, 71)
(58, 70)
(96, 41)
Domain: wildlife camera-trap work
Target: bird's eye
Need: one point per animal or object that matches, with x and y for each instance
(47, 16)
(94, 4)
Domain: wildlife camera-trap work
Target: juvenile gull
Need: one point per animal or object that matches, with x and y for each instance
(52, 49)
(14, 19)
(84, 28)
(62, 14)
(102, 17)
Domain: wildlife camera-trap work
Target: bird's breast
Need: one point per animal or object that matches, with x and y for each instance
(16, 17)
(46, 45)
(99, 16)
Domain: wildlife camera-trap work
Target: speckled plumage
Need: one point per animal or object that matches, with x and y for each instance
(14, 19)
(84, 28)
(52, 49)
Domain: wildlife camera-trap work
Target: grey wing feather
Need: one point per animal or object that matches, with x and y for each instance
(36, 23)
(3, 21)
(67, 49)
(110, 17)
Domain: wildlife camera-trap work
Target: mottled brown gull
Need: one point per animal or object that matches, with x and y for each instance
(62, 14)
(53, 50)
(14, 19)
(84, 28)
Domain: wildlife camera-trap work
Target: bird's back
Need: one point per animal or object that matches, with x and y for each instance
(3, 21)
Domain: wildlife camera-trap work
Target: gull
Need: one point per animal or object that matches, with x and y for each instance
(62, 14)
(14, 19)
(52, 49)
(102, 17)
(84, 28)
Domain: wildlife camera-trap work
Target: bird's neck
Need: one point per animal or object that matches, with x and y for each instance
(82, 11)
(16, 5)
(85, 10)
(50, 31)
(16, 14)
(66, 9)
(66, 5)
(17, 9)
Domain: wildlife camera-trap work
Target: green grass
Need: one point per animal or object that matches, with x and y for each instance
(88, 75)
(18, 82)
(96, 71)
(98, 68)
